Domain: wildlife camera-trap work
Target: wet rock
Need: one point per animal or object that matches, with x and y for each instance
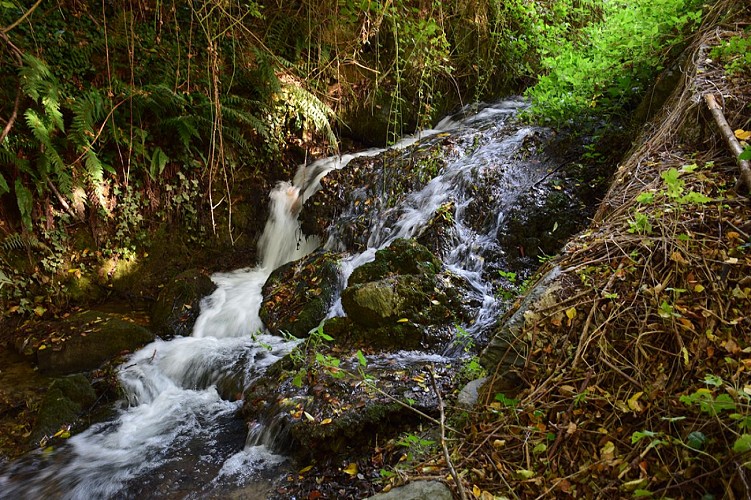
(401, 299)
(405, 298)
(439, 234)
(539, 224)
(355, 200)
(297, 295)
(402, 256)
(315, 410)
(178, 304)
(396, 336)
(83, 341)
(66, 399)
(417, 490)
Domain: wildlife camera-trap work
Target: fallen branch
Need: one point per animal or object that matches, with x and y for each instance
(732, 142)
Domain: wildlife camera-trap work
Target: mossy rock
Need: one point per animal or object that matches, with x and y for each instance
(179, 303)
(322, 416)
(398, 336)
(403, 256)
(397, 299)
(65, 401)
(85, 341)
(440, 232)
(298, 295)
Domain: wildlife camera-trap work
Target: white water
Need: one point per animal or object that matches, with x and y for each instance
(177, 411)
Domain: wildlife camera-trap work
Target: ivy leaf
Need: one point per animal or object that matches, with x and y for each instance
(742, 444)
(694, 197)
(746, 155)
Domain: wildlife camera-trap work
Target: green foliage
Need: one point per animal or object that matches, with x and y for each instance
(734, 54)
(611, 63)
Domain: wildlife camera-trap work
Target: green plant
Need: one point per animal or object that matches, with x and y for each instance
(734, 54)
(602, 71)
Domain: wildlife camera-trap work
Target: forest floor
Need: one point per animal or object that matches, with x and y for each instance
(637, 380)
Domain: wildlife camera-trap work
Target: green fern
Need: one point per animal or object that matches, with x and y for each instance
(14, 241)
(38, 82)
(313, 110)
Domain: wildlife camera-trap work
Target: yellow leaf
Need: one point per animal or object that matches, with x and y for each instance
(351, 469)
(326, 421)
(699, 288)
(743, 135)
(684, 351)
(476, 491)
(570, 314)
(633, 402)
(39, 310)
(402, 320)
(42, 347)
(608, 451)
(305, 469)
(310, 417)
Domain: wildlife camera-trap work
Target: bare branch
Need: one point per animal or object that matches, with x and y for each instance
(732, 142)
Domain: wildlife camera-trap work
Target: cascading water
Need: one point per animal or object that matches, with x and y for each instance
(178, 431)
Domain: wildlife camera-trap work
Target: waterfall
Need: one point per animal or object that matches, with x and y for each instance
(179, 411)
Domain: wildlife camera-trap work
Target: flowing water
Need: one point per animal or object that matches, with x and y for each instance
(177, 434)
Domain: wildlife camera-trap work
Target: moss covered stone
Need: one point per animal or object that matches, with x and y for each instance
(297, 295)
(86, 340)
(178, 305)
(403, 256)
(66, 399)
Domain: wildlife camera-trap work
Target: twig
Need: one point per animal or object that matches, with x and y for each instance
(454, 474)
(62, 201)
(20, 19)
(13, 116)
(732, 142)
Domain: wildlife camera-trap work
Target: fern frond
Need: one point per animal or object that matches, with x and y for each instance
(11, 158)
(313, 110)
(183, 126)
(14, 241)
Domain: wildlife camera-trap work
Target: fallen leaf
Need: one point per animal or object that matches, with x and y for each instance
(326, 421)
(351, 469)
(743, 135)
(633, 402)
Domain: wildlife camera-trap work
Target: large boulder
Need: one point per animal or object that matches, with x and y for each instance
(402, 256)
(65, 401)
(178, 304)
(403, 298)
(81, 342)
(311, 409)
(297, 295)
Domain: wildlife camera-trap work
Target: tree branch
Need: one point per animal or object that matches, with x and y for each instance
(730, 140)
(21, 19)
(12, 119)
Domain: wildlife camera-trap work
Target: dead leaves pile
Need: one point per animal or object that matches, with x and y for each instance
(638, 381)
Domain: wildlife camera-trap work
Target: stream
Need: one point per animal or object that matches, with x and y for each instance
(173, 434)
